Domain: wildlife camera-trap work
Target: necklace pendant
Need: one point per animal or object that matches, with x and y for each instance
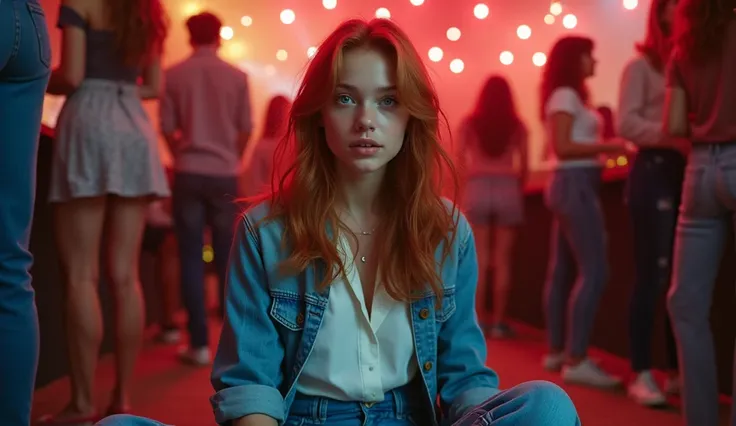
(365, 233)
(362, 259)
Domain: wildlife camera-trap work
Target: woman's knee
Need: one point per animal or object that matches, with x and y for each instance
(545, 403)
(127, 420)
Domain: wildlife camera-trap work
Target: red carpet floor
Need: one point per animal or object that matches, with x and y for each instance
(178, 395)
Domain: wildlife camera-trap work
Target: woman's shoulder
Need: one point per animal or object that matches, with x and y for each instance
(564, 99)
(460, 222)
(567, 92)
(261, 219)
(638, 64)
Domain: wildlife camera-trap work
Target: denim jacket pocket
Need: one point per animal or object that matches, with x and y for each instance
(287, 308)
(42, 33)
(448, 305)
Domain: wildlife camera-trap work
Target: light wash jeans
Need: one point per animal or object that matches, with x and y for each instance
(535, 403)
(579, 242)
(708, 205)
(25, 56)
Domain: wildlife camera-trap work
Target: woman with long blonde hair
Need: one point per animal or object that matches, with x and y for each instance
(106, 169)
(351, 287)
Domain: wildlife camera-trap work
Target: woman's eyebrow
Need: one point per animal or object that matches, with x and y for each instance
(352, 88)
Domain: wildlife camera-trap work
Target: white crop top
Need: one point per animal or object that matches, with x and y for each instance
(586, 125)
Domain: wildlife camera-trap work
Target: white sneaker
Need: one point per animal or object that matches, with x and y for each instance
(553, 362)
(644, 390)
(169, 336)
(196, 356)
(672, 385)
(589, 373)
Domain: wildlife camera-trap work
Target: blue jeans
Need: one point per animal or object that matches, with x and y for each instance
(708, 205)
(653, 197)
(25, 56)
(578, 242)
(199, 201)
(535, 403)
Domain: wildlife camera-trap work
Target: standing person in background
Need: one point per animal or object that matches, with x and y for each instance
(206, 120)
(106, 169)
(493, 143)
(701, 104)
(25, 57)
(653, 197)
(258, 158)
(578, 234)
(159, 240)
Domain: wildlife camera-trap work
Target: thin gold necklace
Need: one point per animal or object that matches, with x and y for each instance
(361, 232)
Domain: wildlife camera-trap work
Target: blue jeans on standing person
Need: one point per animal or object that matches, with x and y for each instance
(25, 57)
(707, 212)
(653, 196)
(578, 243)
(199, 201)
(536, 403)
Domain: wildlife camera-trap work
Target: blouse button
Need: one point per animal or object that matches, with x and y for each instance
(424, 313)
(300, 319)
(428, 366)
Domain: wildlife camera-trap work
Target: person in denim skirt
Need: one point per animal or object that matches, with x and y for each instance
(25, 58)
(653, 196)
(351, 287)
(578, 235)
(701, 105)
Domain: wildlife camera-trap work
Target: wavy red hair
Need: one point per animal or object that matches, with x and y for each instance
(304, 196)
(657, 44)
(140, 28)
(700, 26)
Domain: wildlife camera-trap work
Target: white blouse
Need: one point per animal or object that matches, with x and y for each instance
(356, 356)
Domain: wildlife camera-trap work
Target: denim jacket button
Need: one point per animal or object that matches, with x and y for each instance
(424, 313)
(300, 319)
(428, 366)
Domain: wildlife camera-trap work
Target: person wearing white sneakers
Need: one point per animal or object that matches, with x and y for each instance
(578, 236)
(653, 196)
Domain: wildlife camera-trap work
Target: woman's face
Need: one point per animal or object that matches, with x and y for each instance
(365, 123)
(588, 64)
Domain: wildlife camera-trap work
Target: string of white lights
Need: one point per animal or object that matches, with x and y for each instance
(557, 12)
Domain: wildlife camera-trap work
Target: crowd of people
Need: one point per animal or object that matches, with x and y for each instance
(339, 305)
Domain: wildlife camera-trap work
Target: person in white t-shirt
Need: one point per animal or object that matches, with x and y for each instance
(578, 239)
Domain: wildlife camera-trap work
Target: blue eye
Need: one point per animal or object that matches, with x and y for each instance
(388, 102)
(344, 99)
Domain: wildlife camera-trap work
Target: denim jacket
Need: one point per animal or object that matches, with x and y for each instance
(272, 320)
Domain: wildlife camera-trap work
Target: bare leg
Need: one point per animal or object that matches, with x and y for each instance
(126, 221)
(504, 245)
(482, 246)
(78, 226)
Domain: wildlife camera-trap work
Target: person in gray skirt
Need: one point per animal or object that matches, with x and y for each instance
(106, 169)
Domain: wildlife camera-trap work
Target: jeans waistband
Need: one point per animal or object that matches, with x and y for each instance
(398, 403)
(661, 156)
